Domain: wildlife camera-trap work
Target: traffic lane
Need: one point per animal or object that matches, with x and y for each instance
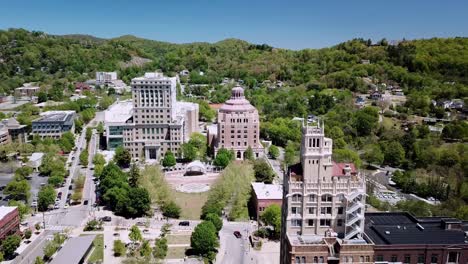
(236, 250)
(35, 249)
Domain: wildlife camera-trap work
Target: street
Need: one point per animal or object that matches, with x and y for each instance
(232, 249)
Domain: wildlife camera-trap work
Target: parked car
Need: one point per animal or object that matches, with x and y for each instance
(85, 202)
(237, 234)
(140, 224)
(106, 219)
(70, 187)
(184, 223)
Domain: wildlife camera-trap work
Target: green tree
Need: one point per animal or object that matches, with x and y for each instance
(18, 190)
(171, 209)
(100, 128)
(373, 154)
(89, 134)
(347, 155)
(27, 233)
(135, 234)
(274, 151)
(23, 208)
(46, 197)
(133, 175)
(160, 249)
(119, 248)
(189, 151)
(272, 217)
(216, 220)
(10, 244)
(263, 171)
(394, 153)
(248, 154)
(55, 181)
(122, 157)
(366, 120)
(23, 172)
(67, 141)
(204, 239)
(223, 158)
(41, 97)
(169, 159)
(39, 260)
(84, 156)
(145, 250)
(98, 159)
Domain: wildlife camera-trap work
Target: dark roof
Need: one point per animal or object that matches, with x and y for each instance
(399, 228)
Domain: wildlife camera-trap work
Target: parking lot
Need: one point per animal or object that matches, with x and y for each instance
(35, 181)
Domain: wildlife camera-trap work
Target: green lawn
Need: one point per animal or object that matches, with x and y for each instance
(190, 203)
(178, 239)
(98, 250)
(176, 252)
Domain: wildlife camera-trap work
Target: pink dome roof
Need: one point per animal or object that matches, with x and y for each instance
(237, 102)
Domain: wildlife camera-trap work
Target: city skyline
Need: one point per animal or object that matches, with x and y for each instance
(298, 25)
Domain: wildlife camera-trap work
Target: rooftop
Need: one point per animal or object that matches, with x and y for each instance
(237, 102)
(36, 156)
(119, 112)
(56, 116)
(4, 210)
(74, 250)
(268, 191)
(400, 228)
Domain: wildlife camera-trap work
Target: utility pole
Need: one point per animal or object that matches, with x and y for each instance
(43, 219)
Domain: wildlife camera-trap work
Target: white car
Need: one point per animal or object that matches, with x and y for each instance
(57, 206)
(65, 206)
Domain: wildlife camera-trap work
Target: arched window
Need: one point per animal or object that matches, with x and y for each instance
(315, 259)
(321, 259)
(296, 198)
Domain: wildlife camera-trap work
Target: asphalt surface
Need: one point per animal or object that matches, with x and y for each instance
(234, 250)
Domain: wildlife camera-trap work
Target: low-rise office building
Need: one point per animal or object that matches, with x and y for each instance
(115, 119)
(54, 123)
(16, 131)
(399, 237)
(264, 195)
(9, 221)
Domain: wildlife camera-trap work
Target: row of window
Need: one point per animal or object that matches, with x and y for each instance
(453, 257)
(311, 210)
(311, 222)
(312, 198)
(152, 111)
(316, 259)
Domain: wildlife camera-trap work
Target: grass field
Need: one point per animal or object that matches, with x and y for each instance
(190, 203)
(98, 251)
(176, 252)
(178, 239)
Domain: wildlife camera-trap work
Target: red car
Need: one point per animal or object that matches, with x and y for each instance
(237, 234)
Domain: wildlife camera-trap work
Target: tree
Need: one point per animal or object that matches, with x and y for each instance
(248, 154)
(122, 157)
(272, 217)
(263, 171)
(135, 234)
(139, 202)
(89, 134)
(171, 209)
(160, 249)
(41, 97)
(189, 151)
(46, 197)
(216, 220)
(27, 233)
(223, 158)
(347, 155)
(10, 244)
(274, 152)
(169, 159)
(133, 175)
(394, 153)
(119, 248)
(373, 154)
(23, 208)
(78, 125)
(38, 260)
(84, 156)
(366, 120)
(23, 172)
(204, 239)
(100, 128)
(67, 141)
(55, 180)
(145, 250)
(50, 249)
(18, 190)
(99, 159)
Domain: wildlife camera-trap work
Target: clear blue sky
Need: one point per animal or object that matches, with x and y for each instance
(286, 24)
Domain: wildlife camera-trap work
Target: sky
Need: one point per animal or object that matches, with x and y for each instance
(283, 24)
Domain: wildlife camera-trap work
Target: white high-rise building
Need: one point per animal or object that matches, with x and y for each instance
(159, 123)
(105, 77)
(323, 205)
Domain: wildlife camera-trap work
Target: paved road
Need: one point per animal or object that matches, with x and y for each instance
(35, 249)
(234, 250)
(276, 165)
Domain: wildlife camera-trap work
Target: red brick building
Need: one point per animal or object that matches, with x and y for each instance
(9, 221)
(402, 238)
(265, 195)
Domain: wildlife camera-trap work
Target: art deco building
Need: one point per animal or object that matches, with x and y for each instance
(158, 123)
(323, 206)
(238, 126)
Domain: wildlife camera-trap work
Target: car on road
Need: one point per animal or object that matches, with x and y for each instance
(184, 223)
(59, 194)
(2, 187)
(56, 206)
(106, 219)
(34, 204)
(237, 234)
(70, 187)
(85, 202)
(65, 206)
(140, 224)
(73, 158)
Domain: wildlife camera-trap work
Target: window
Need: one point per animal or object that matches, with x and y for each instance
(296, 222)
(326, 198)
(367, 258)
(434, 259)
(315, 259)
(312, 198)
(325, 222)
(296, 198)
(296, 210)
(339, 222)
(379, 258)
(361, 259)
(394, 258)
(298, 260)
(453, 257)
(303, 259)
(311, 210)
(407, 259)
(325, 210)
(340, 210)
(421, 259)
(310, 222)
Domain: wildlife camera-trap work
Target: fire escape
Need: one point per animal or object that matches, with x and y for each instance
(354, 214)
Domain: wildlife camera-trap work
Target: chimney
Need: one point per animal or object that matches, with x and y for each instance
(347, 170)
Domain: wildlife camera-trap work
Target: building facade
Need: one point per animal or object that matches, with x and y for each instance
(158, 123)
(401, 238)
(323, 206)
(16, 131)
(9, 221)
(238, 126)
(54, 123)
(115, 120)
(105, 77)
(264, 195)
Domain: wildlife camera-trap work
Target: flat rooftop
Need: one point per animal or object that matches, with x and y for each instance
(74, 250)
(4, 210)
(401, 228)
(119, 112)
(55, 116)
(268, 191)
